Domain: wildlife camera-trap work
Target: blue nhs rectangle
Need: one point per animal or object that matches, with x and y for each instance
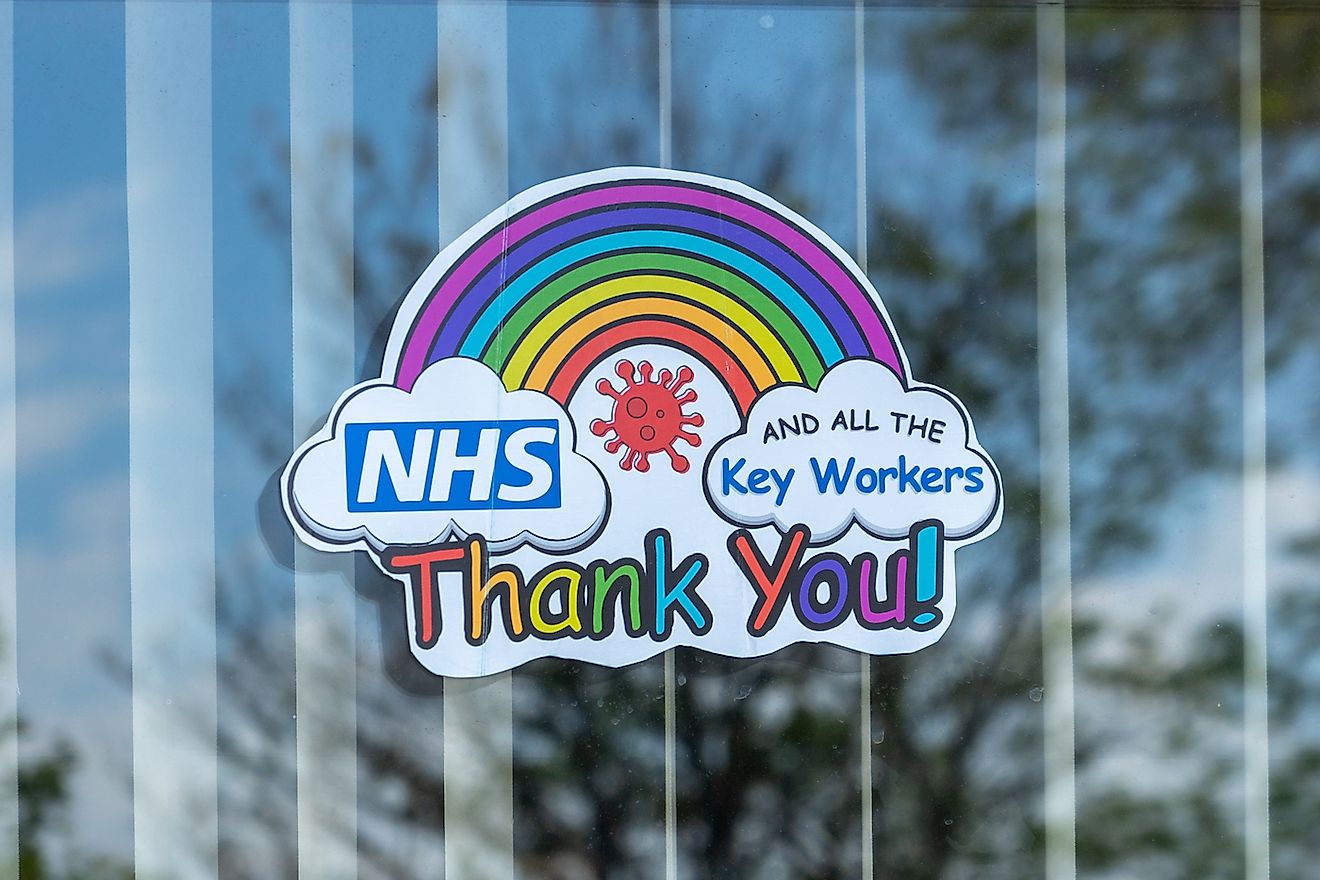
(402, 466)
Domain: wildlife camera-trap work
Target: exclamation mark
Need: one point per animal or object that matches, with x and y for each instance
(927, 543)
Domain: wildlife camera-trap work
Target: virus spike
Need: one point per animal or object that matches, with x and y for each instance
(647, 415)
(604, 387)
(685, 375)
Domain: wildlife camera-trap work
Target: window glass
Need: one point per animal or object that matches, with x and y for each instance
(1096, 225)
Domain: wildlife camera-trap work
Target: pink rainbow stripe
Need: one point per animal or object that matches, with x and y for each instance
(418, 343)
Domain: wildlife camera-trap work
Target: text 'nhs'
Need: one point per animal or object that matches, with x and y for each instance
(455, 465)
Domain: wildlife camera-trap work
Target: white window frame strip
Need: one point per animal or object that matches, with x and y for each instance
(473, 178)
(1060, 808)
(865, 770)
(321, 227)
(8, 461)
(1255, 596)
(665, 95)
(167, 50)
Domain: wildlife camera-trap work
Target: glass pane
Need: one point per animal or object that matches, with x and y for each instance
(1155, 352)
(1095, 226)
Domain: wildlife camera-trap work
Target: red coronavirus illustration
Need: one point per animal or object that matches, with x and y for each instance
(648, 415)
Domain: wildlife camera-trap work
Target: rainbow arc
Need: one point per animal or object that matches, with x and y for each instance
(738, 283)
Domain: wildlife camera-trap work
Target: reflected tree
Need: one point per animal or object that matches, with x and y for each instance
(47, 848)
(768, 785)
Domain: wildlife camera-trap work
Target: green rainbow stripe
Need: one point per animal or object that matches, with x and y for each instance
(544, 311)
(573, 271)
(756, 283)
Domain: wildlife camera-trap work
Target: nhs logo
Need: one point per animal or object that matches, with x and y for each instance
(405, 466)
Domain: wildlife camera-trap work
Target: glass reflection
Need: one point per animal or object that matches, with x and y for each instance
(768, 756)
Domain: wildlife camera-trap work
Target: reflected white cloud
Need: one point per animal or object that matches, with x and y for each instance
(69, 238)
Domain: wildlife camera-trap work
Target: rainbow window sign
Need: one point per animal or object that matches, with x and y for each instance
(635, 409)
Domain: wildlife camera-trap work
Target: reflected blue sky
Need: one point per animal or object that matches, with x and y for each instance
(71, 275)
(253, 365)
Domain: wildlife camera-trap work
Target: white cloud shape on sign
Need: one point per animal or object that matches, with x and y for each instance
(315, 482)
(854, 460)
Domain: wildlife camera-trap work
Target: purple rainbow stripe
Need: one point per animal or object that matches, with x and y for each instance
(487, 286)
(475, 279)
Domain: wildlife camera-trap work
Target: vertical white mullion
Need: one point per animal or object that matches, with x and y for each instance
(865, 770)
(8, 460)
(1056, 518)
(671, 767)
(665, 72)
(167, 50)
(665, 56)
(321, 203)
(472, 48)
(1255, 595)
(859, 111)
